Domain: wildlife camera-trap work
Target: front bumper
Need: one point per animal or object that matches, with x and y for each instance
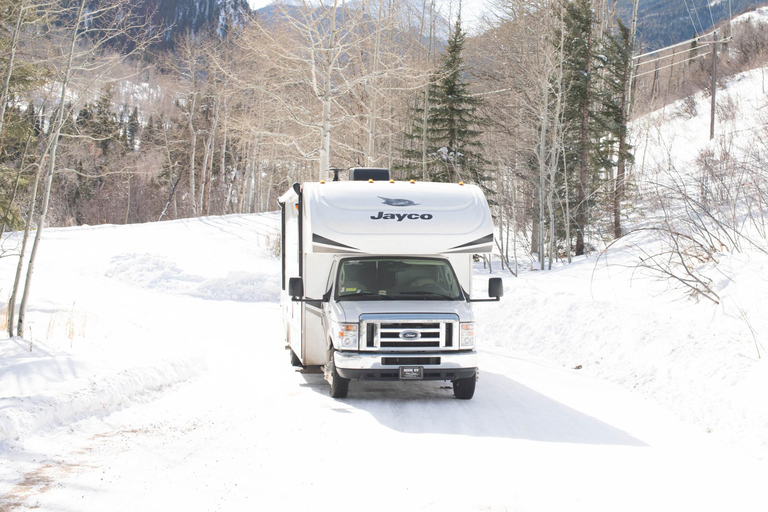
(386, 365)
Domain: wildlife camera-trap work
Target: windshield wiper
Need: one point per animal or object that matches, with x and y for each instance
(425, 294)
(361, 294)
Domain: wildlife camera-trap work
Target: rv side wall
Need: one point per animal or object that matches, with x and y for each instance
(316, 270)
(292, 313)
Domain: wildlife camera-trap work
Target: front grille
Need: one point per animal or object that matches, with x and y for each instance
(401, 344)
(389, 361)
(407, 332)
(414, 325)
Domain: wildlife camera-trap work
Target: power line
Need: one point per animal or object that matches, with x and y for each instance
(690, 16)
(696, 12)
(698, 39)
(711, 18)
(664, 57)
(654, 70)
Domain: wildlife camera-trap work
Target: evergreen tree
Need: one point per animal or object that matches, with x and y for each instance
(453, 149)
(105, 127)
(580, 126)
(84, 119)
(149, 133)
(33, 119)
(616, 151)
(132, 129)
(596, 77)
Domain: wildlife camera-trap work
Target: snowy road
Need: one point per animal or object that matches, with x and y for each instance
(251, 433)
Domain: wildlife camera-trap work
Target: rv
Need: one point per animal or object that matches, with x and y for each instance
(377, 279)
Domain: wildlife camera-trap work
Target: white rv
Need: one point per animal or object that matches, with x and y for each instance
(377, 279)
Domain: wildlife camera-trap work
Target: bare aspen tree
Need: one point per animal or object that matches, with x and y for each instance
(51, 149)
(322, 36)
(187, 64)
(370, 156)
(326, 32)
(582, 212)
(324, 70)
(217, 57)
(535, 83)
(522, 58)
(544, 125)
(556, 142)
(424, 137)
(22, 253)
(382, 75)
(89, 32)
(206, 171)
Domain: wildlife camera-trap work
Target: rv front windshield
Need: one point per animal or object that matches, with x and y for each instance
(397, 279)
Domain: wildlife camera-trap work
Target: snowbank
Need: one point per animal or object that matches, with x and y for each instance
(116, 315)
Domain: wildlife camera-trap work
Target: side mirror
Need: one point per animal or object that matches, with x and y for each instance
(296, 287)
(495, 287)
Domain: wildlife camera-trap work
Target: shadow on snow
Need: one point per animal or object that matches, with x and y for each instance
(500, 408)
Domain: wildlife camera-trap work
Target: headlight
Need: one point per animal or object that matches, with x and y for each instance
(346, 336)
(467, 339)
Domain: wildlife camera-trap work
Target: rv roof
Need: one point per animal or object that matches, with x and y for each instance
(397, 217)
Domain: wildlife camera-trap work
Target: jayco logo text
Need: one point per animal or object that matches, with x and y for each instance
(399, 217)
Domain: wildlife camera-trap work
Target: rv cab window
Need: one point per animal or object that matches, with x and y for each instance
(397, 279)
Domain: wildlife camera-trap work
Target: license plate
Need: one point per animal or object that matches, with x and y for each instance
(411, 372)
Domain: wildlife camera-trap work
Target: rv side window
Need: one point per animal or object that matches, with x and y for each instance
(397, 279)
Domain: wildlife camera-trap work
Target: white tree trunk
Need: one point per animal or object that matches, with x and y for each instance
(20, 264)
(325, 134)
(555, 147)
(543, 165)
(51, 165)
(193, 143)
(371, 157)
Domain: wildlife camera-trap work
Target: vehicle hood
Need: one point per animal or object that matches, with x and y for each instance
(351, 310)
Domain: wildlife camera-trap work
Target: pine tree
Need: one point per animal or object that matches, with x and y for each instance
(149, 133)
(452, 120)
(33, 118)
(132, 129)
(105, 125)
(580, 127)
(618, 72)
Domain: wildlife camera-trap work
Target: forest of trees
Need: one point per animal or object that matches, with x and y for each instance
(109, 118)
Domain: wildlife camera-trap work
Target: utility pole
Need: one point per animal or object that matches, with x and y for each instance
(714, 86)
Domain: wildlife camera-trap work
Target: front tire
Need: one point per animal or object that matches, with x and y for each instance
(339, 386)
(464, 389)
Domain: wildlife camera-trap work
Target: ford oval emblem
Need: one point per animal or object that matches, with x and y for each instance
(410, 335)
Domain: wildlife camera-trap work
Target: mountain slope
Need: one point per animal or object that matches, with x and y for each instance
(661, 23)
(194, 16)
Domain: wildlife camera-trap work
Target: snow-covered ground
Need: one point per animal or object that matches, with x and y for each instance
(153, 376)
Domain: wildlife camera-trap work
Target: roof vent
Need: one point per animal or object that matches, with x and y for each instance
(368, 173)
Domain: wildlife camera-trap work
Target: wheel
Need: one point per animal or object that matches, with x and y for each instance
(464, 389)
(294, 358)
(339, 385)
